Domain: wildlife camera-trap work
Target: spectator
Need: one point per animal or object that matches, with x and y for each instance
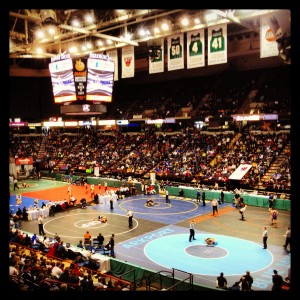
(244, 284)
(277, 281)
(248, 278)
(221, 281)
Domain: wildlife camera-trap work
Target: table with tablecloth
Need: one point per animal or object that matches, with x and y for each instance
(35, 213)
(104, 261)
(106, 198)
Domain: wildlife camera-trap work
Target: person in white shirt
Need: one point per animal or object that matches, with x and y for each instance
(192, 231)
(11, 224)
(41, 225)
(99, 284)
(46, 242)
(57, 271)
(13, 270)
(214, 205)
(242, 211)
(72, 200)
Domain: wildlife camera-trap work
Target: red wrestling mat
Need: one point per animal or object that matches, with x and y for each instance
(221, 211)
(61, 193)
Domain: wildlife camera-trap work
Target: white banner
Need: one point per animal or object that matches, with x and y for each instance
(175, 52)
(268, 44)
(96, 171)
(240, 172)
(217, 44)
(156, 62)
(114, 56)
(128, 61)
(195, 49)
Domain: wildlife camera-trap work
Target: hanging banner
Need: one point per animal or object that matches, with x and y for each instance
(268, 44)
(24, 161)
(175, 52)
(217, 44)
(240, 172)
(128, 62)
(114, 56)
(195, 49)
(156, 59)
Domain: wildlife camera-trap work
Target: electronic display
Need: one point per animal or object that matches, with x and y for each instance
(100, 80)
(62, 78)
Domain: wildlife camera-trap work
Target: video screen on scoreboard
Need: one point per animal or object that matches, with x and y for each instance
(62, 78)
(100, 80)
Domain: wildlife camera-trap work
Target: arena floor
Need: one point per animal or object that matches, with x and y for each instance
(159, 238)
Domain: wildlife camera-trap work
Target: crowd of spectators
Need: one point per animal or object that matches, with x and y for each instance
(185, 157)
(35, 270)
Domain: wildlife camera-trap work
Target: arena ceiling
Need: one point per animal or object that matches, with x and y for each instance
(111, 25)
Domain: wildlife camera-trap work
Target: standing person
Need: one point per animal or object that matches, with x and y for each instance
(221, 281)
(274, 216)
(242, 211)
(112, 245)
(214, 205)
(192, 230)
(277, 281)
(41, 225)
(222, 197)
(271, 200)
(87, 238)
(111, 201)
(15, 184)
(287, 238)
(69, 191)
(92, 187)
(105, 186)
(100, 239)
(265, 237)
(167, 196)
(130, 217)
(198, 196)
(203, 197)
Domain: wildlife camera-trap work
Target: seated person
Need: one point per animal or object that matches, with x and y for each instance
(107, 246)
(72, 200)
(36, 206)
(43, 205)
(19, 213)
(180, 194)
(46, 242)
(210, 241)
(152, 190)
(80, 245)
(83, 203)
(96, 199)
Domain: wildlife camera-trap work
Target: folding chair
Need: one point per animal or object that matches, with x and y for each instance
(96, 246)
